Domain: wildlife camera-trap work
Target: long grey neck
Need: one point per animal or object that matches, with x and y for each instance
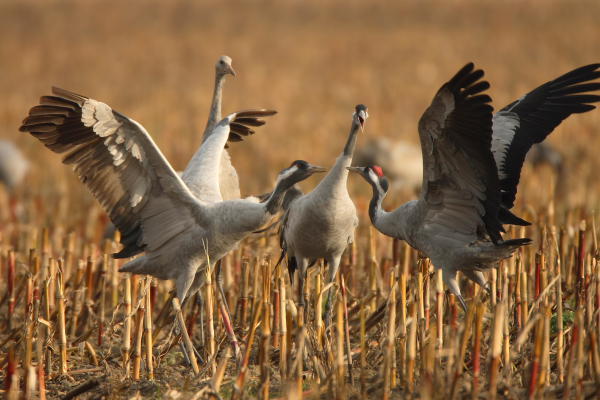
(351, 142)
(215, 108)
(395, 223)
(375, 208)
(335, 182)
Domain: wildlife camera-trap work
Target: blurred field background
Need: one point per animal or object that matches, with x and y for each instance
(310, 60)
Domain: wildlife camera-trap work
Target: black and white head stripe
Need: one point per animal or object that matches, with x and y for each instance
(533, 117)
(295, 166)
(289, 171)
(375, 174)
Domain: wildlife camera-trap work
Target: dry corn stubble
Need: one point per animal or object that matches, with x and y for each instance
(69, 317)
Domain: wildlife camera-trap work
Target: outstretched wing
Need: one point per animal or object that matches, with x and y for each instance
(202, 173)
(528, 120)
(120, 164)
(460, 182)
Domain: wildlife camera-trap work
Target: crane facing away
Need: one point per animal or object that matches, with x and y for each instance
(472, 162)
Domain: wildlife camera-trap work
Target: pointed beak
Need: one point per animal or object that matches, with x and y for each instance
(231, 71)
(362, 117)
(316, 169)
(354, 169)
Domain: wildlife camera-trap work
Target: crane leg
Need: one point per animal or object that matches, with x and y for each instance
(478, 278)
(226, 315)
(449, 277)
(334, 266)
(181, 331)
(302, 267)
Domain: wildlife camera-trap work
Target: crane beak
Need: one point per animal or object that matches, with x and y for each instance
(354, 169)
(316, 169)
(231, 71)
(362, 117)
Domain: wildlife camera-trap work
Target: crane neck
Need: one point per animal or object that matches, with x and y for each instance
(215, 108)
(334, 183)
(398, 223)
(273, 203)
(376, 210)
(351, 142)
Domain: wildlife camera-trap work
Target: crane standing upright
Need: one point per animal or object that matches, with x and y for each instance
(321, 224)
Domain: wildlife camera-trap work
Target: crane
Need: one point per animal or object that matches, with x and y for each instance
(115, 157)
(472, 162)
(321, 224)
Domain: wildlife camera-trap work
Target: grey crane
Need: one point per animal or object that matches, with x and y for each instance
(229, 185)
(472, 162)
(115, 157)
(13, 165)
(228, 179)
(321, 224)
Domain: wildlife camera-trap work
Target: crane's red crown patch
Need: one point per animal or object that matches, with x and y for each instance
(377, 170)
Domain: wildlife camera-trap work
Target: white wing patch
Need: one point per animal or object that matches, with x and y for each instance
(504, 126)
(101, 119)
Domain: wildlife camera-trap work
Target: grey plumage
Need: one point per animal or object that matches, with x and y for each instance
(13, 165)
(472, 162)
(117, 160)
(195, 174)
(403, 164)
(321, 224)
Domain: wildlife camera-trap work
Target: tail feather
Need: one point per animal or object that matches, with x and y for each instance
(515, 242)
(147, 266)
(137, 266)
(507, 217)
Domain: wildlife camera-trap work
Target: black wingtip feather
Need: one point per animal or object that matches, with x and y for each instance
(243, 120)
(539, 112)
(507, 217)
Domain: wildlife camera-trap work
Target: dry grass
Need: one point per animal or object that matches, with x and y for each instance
(68, 318)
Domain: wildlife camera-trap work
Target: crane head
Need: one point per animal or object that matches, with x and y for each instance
(298, 171)
(223, 66)
(360, 115)
(373, 175)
